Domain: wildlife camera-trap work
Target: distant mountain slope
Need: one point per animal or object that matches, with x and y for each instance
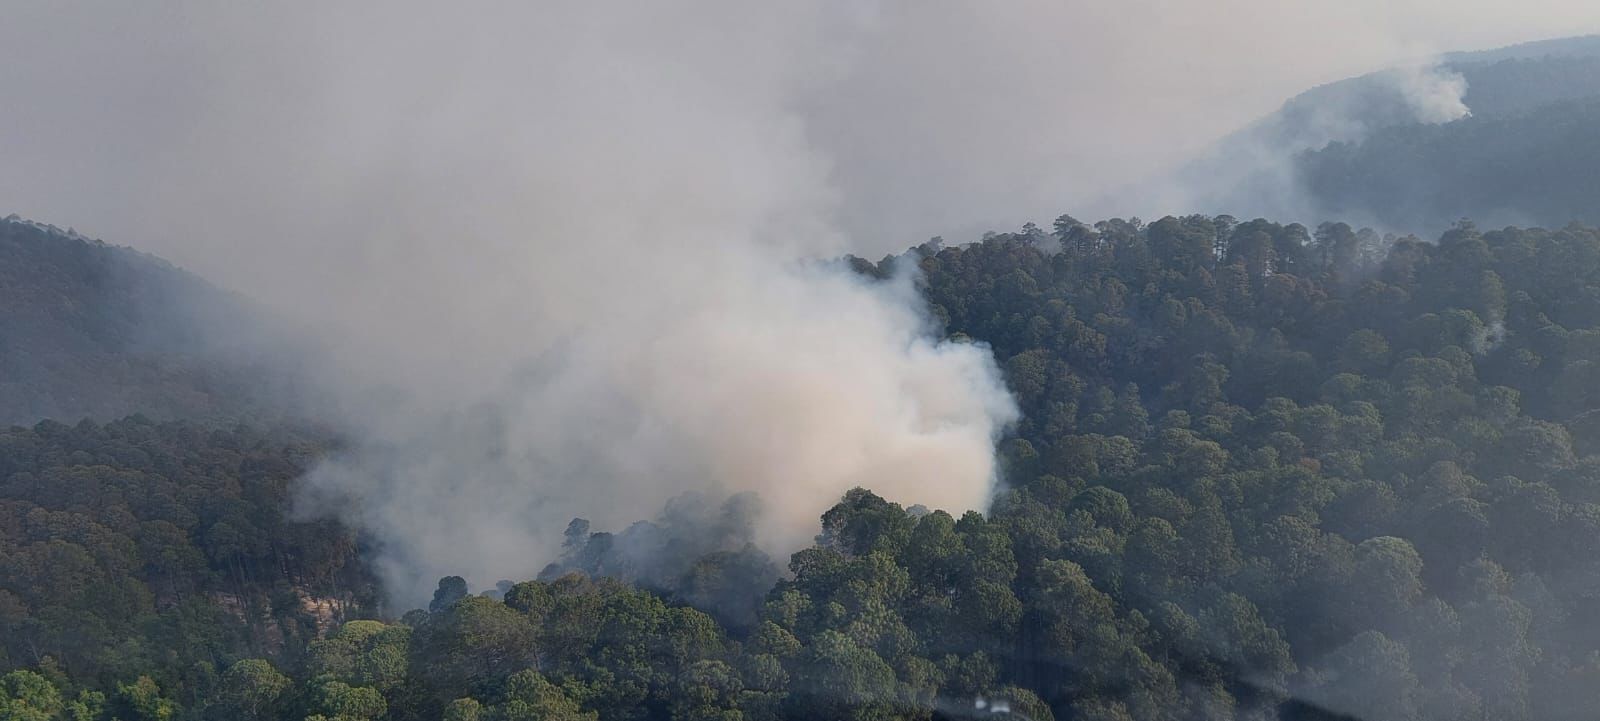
(93, 330)
(1518, 85)
(1540, 167)
(1501, 136)
(1493, 82)
(1579, 46)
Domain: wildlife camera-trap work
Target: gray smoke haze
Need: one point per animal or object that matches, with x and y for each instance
(556, 252)
(1434, 94)
(1253, 172)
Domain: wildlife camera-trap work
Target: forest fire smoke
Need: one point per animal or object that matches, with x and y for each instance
(561, 266)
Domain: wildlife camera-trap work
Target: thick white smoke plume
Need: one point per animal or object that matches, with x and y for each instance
(557, 251)
(748, 375)
(623, 313)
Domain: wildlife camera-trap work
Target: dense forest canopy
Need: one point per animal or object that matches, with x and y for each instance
(1264, 471)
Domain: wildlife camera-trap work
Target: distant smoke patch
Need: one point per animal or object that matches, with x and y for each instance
(1434, 94)
(1489, 337)
(698, 551)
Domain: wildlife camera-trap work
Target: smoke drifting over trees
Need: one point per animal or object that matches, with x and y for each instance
(622, 316)
(575, 278)
(556, 254)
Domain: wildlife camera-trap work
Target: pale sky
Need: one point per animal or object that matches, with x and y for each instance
(170, 125)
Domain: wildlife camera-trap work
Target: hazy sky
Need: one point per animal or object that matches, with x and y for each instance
(549, 247)
(200, 130)
(197, 130)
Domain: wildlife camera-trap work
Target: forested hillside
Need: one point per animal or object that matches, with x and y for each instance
(136, 553)
(89, 329)
(1263, 472)
(1381, 149)
(1536, 166)
(1506, 81)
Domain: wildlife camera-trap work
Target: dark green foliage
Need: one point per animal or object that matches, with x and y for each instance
(1284, 463)
(250, 689)
(1264, 471)
(162, 549)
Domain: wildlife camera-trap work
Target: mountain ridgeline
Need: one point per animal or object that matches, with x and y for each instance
(1504, 137)
(1264, 471)
(93, 330)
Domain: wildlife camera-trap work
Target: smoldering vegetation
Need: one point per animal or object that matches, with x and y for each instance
(796, 390)
(698, 551)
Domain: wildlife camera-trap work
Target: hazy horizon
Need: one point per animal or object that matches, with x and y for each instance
(926, 118)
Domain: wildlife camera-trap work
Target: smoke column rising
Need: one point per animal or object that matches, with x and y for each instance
(556, 252)
(584, 291)
(613, 308)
